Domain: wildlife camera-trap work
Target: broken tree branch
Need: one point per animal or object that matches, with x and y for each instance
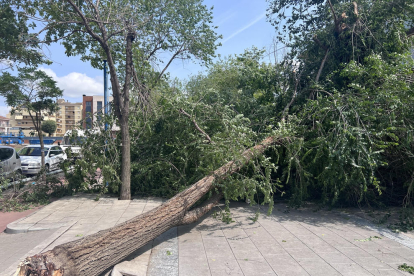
(196, 125)
(322, 65)
(316, 39)
(95, 253)
(196, 214)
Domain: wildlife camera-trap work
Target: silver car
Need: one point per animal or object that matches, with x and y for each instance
(31, 158)
(9, 161)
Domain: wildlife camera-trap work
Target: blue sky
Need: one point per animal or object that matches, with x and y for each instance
(241, 22)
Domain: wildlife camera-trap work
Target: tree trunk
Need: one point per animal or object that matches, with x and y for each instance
(37, 122)
(94, 254)
(125, 193)
(42, 154)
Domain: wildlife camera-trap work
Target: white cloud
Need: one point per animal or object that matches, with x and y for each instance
(4, 110)
(74, 85)
(245, 27)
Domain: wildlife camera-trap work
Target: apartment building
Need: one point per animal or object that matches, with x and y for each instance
(68, 116)
(93, 107)
(4, 124)
(23, 120)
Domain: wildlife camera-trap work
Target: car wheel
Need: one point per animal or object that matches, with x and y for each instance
(47, 168)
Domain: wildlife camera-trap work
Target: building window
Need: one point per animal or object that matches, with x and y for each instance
(99, 110)
(88, 110)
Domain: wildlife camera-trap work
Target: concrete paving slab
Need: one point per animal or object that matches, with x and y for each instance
(298, 242)
(14, 246)
(73, 218)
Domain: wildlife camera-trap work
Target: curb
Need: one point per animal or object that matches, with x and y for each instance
(12, 270)
(16, 227)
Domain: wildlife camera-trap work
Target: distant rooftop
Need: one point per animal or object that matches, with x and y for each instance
(63, 102)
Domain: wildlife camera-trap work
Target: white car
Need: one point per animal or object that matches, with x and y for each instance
(72, 140)
(9, 161)
(31, 158)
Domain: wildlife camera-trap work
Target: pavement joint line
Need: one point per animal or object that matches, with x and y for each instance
(300, 223)
(205, 253)
(231, 248)
(351, 258)
(123, 214)
(12, 270)
(264, 258)
(365, 226)
(398, 237)
(288, 251)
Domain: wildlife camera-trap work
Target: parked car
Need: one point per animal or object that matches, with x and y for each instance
(31, 158)
(72, 140)
(9, 161)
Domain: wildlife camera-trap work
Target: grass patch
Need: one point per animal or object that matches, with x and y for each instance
(406, 268)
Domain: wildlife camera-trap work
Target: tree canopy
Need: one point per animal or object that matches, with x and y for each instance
(130, 35)
(49, 126)
(32, 91)
(16, 43)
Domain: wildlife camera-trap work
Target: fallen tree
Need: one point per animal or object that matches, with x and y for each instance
(94, 254)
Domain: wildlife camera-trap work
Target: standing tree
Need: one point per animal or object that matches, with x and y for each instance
(49, 127)
(33, 91)
(16, 43)
(130, 35)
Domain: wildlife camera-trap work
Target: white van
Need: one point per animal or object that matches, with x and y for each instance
(9, 161)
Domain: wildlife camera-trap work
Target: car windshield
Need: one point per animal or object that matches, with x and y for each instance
(32, 151)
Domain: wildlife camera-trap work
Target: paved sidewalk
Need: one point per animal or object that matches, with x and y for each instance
(71, 218)
(295, 242)
(13, 247)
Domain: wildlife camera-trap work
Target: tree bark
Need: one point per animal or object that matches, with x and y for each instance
(94, 254)
(125, 193)
(37, 122)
